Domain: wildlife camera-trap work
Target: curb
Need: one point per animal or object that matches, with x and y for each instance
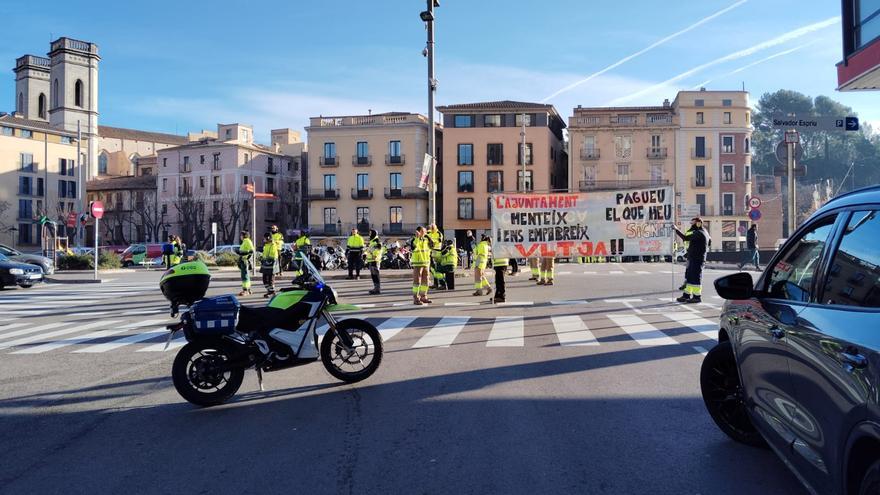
(72, 281)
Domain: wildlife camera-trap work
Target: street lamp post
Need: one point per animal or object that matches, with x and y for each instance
(428, 17)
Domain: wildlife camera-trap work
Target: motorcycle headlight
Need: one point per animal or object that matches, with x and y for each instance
(16, 271)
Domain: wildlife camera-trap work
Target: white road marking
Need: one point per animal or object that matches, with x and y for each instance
(444, 332)
(461, 304)
(569, 302)
(563, 273)
(57, 333)
(572, 331)
(641, 331)
(50, 346)
(516, 303)
(160, 347)
(26, 331)
(10, 326)
(589, 273)
(701, 350)
(507, 331)
(638, 272)
(392, 326)
(131, 339)
(615, 272)
(707, 328)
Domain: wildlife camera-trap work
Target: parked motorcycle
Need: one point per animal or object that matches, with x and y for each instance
(224, 338)
(395, 258)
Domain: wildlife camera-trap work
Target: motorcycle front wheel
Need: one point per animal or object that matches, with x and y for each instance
(364, 357)
(195, 375)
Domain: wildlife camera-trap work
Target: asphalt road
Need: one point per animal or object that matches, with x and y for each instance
(589, 386)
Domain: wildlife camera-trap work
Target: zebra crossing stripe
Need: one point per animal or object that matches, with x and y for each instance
(638, 272)
(160, 347)
(10, 326)
(49, 346)
(507, 331)
(569, 302)
(572, 331)
(26, 331)
(443, 334)
(57, 333)
(641, 331)
(392, 326)
(130, 339)
(615, 272)
(707, 328)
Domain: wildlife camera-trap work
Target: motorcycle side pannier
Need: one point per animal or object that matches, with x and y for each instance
(215, 315)
(185, 283)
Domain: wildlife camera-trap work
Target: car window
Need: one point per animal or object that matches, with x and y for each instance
(5, 251)
(792, 276)
(854, 277)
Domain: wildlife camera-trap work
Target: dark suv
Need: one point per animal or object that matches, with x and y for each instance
(797, 365)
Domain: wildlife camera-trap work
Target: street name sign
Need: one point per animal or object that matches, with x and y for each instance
(816, 123)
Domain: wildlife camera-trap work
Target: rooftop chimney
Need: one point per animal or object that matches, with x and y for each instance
(702, 88)
(666, 102)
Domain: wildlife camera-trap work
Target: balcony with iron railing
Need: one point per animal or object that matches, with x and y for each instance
(328, 161)
(701, 182)
(610, 185)
(399, 228)
(395, 159)
(701, 154)
(657, 153)
(185, 168)
(271, 169)
(589, 153)
(658, 119)
(406, 193)
(624, 120)
(319, 194)
(216, 166)
(361, 193)
(362, 161)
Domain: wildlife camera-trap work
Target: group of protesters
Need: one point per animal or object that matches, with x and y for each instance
(434, 260)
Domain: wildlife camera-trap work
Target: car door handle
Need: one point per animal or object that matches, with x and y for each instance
(777, 333)
(857, 361)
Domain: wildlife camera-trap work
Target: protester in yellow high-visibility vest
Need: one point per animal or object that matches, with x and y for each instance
(481, 260)
(374, 259)
(547, 271)
(436, 238)
(500, 266)
(303, 247)
(448, 262)
(278, 239)
(267, 264)
(534, 266)
(245, 258)
(355, 248)
(420, 259)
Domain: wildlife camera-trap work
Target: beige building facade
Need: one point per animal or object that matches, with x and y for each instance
(364, 172)
(482, 150)
(620, 147)
(206, 181)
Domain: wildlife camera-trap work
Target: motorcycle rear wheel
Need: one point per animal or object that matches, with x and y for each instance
(194, 379)
(366, 355)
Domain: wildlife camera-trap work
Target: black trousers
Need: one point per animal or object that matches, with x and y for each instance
(355, 263)
(269, 279)
(499, 282)
(448, 276)
(470, 259)
(374, 273)
(514, 266)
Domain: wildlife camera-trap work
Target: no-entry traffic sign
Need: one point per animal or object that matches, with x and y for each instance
(96, 208)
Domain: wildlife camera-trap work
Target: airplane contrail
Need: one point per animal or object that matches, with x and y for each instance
(644, 50)
(797, 33)
(756, 62)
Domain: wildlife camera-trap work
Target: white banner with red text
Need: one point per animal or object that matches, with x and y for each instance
(634, 222)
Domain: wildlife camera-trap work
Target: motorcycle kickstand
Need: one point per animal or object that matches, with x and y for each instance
(260, 379)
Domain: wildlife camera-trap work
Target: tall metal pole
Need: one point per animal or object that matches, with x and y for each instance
(432, 144)
(79, 185)
(792, 200)
(522, 135)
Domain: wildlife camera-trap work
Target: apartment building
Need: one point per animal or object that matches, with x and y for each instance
(713, 160)
(120, 149)
(621, 147)
(206, 181)
(131, 212)
(483, 144)
(364, 172)
(40, 176)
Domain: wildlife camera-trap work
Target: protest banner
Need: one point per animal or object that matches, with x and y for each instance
(636, 222)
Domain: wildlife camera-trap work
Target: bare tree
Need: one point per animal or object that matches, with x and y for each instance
(229, 217)
(191, 213)
(149, 215)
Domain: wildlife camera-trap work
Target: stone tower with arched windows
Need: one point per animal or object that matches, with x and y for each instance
(32, 87)
(73, 90)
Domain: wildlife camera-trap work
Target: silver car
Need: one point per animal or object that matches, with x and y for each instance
(31, 259)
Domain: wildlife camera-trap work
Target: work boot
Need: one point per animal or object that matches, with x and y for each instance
(685, 298)
(242, 293)
(268, 295)
(425, 300)
(488, 291)
(374, 292)
(549, 282)
(478, 292)
(497, 299)
(694, 300)
(541, 282)
(417, 301)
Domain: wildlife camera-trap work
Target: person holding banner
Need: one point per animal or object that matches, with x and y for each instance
(420, 259)
(500, 266)
(698, 243)
(481, 260)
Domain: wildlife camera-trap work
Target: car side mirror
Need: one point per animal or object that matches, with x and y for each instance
(737, 286)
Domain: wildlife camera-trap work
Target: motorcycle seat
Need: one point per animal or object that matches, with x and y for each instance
(259, 319)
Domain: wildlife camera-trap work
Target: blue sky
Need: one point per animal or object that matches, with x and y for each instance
(179, 66)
